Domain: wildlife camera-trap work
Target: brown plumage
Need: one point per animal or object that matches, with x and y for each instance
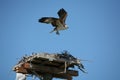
(58, 23)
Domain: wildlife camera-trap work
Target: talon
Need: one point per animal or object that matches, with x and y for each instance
(57, 32)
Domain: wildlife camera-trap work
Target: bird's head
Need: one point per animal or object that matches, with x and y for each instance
(66, 26)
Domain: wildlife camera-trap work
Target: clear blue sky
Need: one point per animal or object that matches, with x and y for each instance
(93, 34)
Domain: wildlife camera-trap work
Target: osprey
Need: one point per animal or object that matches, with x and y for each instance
(58, 23)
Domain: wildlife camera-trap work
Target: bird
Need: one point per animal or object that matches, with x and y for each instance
(57, 23)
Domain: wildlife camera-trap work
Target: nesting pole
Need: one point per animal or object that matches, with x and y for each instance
(48, 66)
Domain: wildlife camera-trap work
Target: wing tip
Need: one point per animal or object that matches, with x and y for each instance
(62, 9)
(42, 19)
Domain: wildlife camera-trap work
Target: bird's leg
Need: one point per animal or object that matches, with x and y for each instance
(57, 32)
(53, 30)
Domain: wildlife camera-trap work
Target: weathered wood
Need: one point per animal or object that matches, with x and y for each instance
(56, 65)
(41, 70)
(21, 70)
(49, 69)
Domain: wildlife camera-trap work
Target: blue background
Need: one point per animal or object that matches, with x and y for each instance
(93, 34)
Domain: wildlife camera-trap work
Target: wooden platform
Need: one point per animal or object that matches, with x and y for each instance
(41, 64)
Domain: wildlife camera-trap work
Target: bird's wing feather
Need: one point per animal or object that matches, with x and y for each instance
(47, 20)
(62, 14)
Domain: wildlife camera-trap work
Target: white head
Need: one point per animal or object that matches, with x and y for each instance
(66, 26)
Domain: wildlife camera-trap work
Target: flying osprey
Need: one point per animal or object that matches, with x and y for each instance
(58, 23)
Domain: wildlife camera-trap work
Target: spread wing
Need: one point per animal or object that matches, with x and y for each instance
(47, 20)
(62, 15)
